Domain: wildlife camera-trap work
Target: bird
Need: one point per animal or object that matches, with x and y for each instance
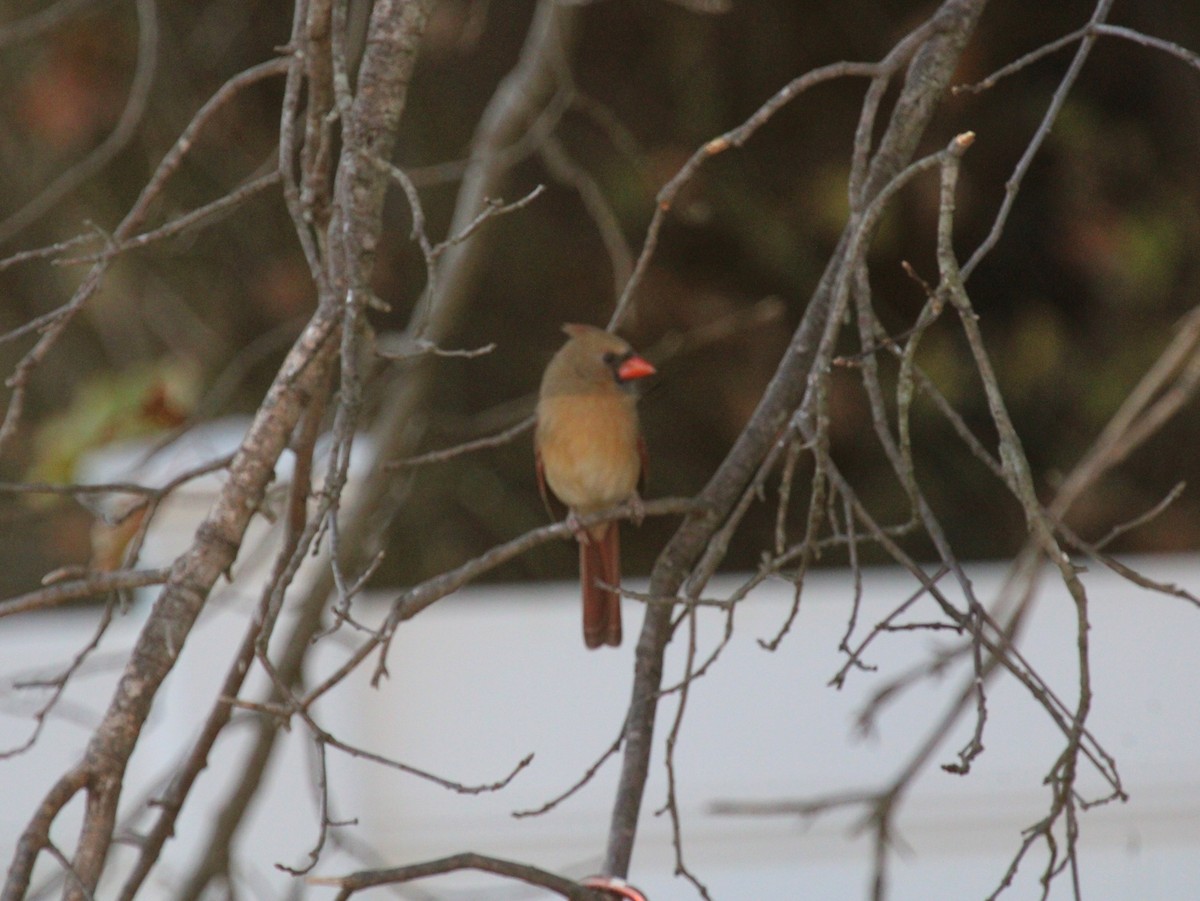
(588, 448)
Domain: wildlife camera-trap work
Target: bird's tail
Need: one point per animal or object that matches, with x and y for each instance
(600, 561)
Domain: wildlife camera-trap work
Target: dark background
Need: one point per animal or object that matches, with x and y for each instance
(1097, 262)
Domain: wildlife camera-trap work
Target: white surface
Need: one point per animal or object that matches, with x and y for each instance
(490, 675)
(765, 726)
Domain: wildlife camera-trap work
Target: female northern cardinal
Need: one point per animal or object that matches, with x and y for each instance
(589, 448)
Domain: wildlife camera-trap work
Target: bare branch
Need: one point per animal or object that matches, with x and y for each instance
(417, 598)
(440, 456)
(180, 224)
(58, 683)
(356, 882)
(929, 74)
(41, 253)
(86, 586)
(520, 112)
(583, 780)
(1013, 186)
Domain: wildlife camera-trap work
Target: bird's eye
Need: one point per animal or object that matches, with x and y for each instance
(610, 358)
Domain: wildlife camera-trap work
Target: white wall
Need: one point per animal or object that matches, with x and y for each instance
(490, 675)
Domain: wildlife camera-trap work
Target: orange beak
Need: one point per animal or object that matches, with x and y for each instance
(634, 368)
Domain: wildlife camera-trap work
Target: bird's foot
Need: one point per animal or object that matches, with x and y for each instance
(637, 510)
(577, 528)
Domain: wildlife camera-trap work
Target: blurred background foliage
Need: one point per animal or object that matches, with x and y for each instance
(1097, 262)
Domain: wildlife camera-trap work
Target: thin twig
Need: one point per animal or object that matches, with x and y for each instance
(87, 586)
(1013, 186)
